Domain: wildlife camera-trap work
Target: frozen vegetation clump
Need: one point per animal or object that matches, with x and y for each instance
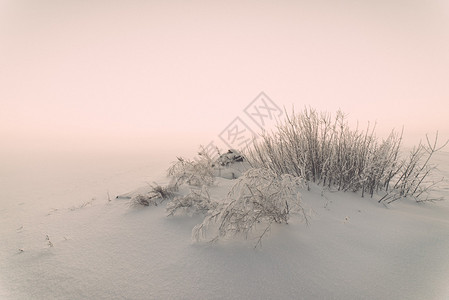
(156, 195)
(259, 198)
(307, 147)
(413, 179)
(326, 151)
(196, 202)
(196, 172)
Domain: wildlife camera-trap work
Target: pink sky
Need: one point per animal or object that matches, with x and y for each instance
(109, 72)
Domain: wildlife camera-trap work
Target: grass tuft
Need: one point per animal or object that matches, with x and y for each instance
(324, 150)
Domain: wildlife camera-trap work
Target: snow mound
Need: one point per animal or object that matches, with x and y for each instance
(353, 248)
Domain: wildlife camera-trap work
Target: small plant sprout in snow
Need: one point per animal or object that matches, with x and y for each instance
(260, 197)
(156, 195)
(49, 243)
(82, 205)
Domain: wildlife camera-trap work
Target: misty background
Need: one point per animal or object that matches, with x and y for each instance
(99, 86)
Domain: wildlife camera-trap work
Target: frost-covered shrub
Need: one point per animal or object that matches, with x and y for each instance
(156, 195)
(197, 201)
(326, 151)
(412, 177)
(142, 200)
(196, 172)
(260, 196)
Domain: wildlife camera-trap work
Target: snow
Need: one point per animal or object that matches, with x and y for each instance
(353, 248)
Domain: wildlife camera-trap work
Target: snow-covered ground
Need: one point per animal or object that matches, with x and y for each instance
(65, 236)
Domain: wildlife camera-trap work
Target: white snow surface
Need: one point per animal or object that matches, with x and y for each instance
(353, 248)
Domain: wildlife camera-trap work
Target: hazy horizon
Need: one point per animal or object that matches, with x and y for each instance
(97, 76)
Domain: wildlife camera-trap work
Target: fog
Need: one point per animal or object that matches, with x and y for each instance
(155, 79)
(98, 97)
